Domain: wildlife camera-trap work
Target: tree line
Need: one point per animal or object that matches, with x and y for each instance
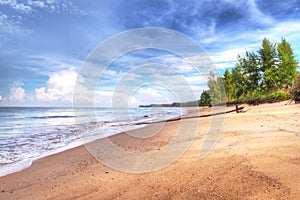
(269, 72)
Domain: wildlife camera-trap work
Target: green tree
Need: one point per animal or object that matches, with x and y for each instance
(258, 74)
(287, 67)
(238, 76)
(220, 82)
(216, 89)
(205, 98)
(228, 84)
(252, 71)
(268, 61)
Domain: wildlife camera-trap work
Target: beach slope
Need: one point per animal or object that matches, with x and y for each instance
(257, 156)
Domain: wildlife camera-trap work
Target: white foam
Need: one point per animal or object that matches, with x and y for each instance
(88, 135)
(14, 167)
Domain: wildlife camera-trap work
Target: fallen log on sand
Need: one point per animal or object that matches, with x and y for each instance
(237, 110)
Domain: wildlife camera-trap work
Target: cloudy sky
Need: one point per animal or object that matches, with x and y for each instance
(43, 44)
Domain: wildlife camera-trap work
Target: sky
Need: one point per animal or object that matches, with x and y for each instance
(44, 44)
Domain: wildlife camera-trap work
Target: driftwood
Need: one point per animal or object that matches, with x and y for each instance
(296, 98)
(237, 110)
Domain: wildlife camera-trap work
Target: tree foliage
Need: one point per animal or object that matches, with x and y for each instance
(271, 69)
(205, 99)
(216, 89)
(287, 66)
(268, 60)
(228, 84)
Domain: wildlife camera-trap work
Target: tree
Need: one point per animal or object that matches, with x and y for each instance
(287, 67)
(220, 82)
(205, 98)
(268, 61)
(238, 76)
(257, 74)
(216, 89)
(252, 71)
(228, 84)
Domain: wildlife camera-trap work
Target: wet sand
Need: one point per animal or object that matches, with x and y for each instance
(257, 156)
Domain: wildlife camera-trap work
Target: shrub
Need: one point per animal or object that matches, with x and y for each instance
(280, 95)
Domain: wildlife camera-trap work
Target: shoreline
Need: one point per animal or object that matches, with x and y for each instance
(257, 156)
(18, 166)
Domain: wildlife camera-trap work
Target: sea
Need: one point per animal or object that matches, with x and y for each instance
(30, 133)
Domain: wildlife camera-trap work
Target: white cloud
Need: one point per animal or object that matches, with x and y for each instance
(3, 17)
(227, 55)
(257, 16)
(288, 30)
(111, 74)
(210, 39)
(21, 7)
(0, 98)
(196, 79)
(227, 58)
(151, 95)
(225, 65)
(60, 86)
(60, 89)
(39, 4)
(10, 25)
(29, 6)
(17, 93)
(164, 64)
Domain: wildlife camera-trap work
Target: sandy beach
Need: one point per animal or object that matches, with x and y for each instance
(257, 156)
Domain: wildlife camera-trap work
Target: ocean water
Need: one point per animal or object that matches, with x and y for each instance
(27, 134)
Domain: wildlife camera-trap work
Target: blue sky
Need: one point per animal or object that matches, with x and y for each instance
(43, 44)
